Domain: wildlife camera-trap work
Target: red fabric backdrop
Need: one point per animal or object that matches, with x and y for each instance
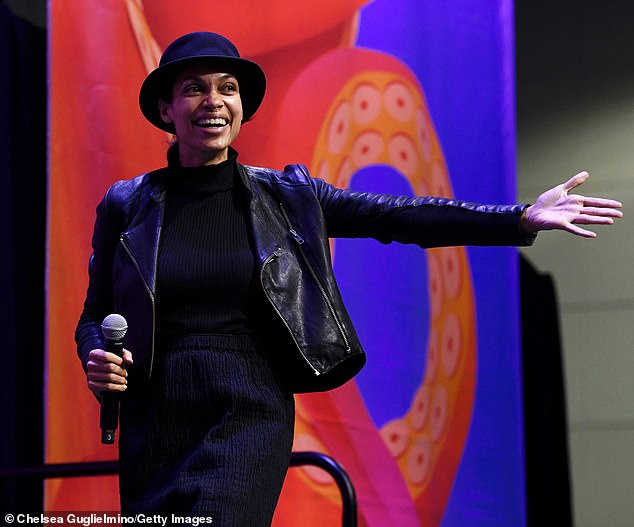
(322, 95)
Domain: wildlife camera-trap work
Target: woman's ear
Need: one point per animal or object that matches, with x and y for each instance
(164, 111)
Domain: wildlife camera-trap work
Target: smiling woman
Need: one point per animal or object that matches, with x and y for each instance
(195, 93)
(223, 272)
(206, 111)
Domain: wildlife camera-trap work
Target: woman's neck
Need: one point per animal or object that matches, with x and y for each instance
(176, 158)
(189, 158)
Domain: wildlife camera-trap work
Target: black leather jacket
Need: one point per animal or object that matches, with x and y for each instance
(292, 216)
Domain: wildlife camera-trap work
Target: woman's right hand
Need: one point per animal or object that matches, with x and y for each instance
(106, 371)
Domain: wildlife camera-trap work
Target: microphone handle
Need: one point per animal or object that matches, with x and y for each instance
(109, 417)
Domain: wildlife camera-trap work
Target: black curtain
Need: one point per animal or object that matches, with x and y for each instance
(548, 498)
(23, 128)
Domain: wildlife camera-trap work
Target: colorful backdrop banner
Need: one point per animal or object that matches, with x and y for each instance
(401, 96)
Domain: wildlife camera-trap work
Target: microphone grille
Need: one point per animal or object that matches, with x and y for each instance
(114, 327)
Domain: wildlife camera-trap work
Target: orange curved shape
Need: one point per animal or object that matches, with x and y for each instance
(256, 27)
(337, 108)
(372, 111)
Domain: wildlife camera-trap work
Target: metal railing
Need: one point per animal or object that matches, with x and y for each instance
(343, 481)
(106, 468)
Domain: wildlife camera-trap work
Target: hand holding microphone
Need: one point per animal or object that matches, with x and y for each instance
(107, 375)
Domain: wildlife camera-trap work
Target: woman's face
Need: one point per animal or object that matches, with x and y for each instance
(206, 111)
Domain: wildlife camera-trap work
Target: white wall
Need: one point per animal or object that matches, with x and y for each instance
(565, 127)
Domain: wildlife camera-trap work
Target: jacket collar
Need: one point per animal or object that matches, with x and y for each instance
(143, 236)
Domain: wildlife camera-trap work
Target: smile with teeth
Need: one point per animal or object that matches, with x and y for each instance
(212, 123)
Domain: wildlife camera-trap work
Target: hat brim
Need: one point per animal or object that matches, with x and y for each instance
(251, 82)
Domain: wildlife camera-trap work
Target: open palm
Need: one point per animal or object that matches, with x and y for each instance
(558, 209)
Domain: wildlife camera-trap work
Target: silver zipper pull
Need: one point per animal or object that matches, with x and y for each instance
(296, 236)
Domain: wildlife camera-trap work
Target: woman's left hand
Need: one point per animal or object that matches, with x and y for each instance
(557, 209)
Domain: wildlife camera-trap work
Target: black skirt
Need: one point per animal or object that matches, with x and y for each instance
(210, 434)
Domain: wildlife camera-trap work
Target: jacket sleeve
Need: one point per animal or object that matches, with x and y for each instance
(99, 299)
(424, 221)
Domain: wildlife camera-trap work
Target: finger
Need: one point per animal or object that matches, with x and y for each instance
(105, 377)
(99, 355)
(100, 382)
(586, 219)
(601, 202)
(127, 357)
(576, 180)
(600, 211)
(96, 354)
(574, 229)
(99, 387)
(105, 367)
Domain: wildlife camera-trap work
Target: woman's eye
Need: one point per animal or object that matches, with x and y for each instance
(192, 88)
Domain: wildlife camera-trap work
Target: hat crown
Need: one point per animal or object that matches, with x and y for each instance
(199, 44)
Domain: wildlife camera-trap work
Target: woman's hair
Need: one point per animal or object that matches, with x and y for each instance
(172, 152)
(167, 91)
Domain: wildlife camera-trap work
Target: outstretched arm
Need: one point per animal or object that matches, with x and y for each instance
(557, 209)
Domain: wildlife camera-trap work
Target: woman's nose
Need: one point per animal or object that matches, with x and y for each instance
(213, 99)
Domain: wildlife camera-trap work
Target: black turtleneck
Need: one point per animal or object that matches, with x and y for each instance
(207, 279)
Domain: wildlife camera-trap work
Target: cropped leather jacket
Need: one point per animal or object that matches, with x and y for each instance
(291, 215)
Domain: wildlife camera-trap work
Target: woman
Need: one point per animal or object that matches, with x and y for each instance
(223, 273)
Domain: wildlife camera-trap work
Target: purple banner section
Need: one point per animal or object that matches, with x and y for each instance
(462, 54)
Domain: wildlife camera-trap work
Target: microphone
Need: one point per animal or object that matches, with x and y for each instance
(113, 328)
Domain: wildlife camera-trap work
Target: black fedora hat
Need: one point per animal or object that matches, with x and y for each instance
(201, 48)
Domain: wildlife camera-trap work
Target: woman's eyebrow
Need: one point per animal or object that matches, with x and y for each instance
(229, 76)
(199, 80)
(194, 78)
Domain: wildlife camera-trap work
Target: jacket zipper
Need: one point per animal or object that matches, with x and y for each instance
(269, 259)
(124, 242)
(300, 241)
